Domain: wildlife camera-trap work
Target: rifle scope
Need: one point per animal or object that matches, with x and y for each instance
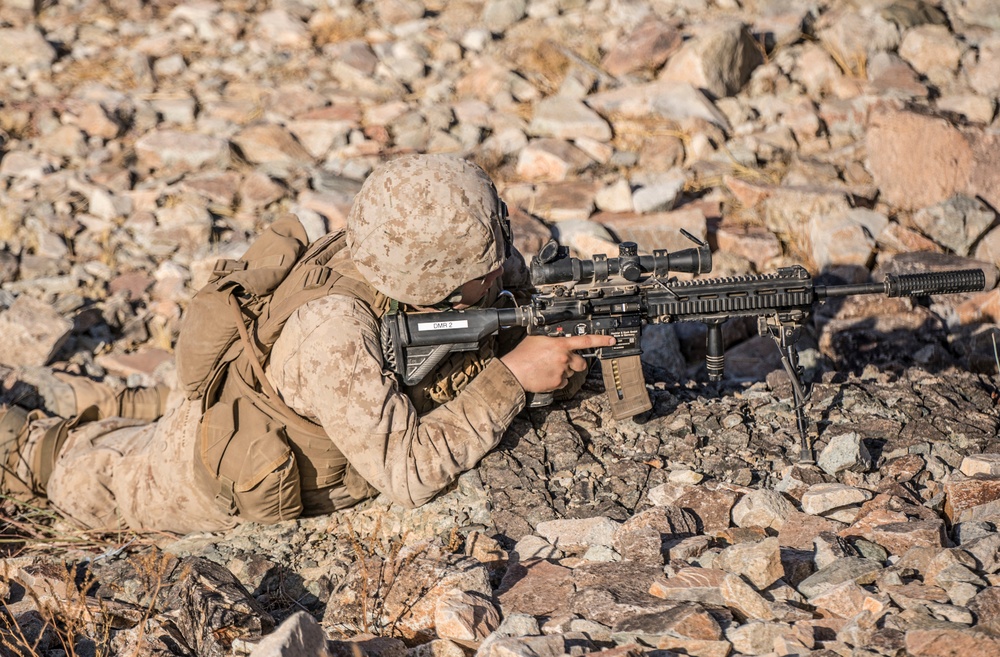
(553, 265)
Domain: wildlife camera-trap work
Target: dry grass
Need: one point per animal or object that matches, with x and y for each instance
(377, 558)
(854, 65)
(58, 610)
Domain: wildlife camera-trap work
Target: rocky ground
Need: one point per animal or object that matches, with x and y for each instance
(141, 141)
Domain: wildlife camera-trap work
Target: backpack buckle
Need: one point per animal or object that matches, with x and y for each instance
(224, 266)
(316, 278)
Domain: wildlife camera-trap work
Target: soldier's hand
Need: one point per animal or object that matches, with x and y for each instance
(544, 364)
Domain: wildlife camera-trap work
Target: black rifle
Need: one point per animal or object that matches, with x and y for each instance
(617, 296)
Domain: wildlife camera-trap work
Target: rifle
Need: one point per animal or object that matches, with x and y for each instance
(617, 296)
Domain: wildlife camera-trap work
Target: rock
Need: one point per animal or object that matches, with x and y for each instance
(756, 244)
(271, 144)
(987, 464)
(743, 599)
(550, 159)
(685, 620)
(660, 193)
(574, 535)
(465, 618)
(762, 508)
(180, 151)
(298, 635)
(755, 637)
(712, 508)
(962, 496)
(608, 592)
(844, 452)
(533, 547)
(956, 223)
(33, 332)
(25, 49)
(499, 15)
(564, 201)
(665, 99)
(437, 648)
(847, 599)
(657, 230)
(567, 118)
(918, 161)
(759, 563)
(533, 646)
(692, 585)
(719, 59)
(822, 498)
(845, 239)
(647, 47)
(943, 643)
(860, 571)
(931, 50)
(535, 587)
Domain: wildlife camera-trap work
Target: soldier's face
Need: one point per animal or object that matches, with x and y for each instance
(477, 288)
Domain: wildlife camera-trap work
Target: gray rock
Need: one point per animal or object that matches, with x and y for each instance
(298, 636)
(857, 569)
(956, 223)
(33, 332)
(567, 118)
(719, 59)
(844, 452)
(25, 49)
(578, 534)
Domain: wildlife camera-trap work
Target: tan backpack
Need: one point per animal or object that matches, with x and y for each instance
(258, 453)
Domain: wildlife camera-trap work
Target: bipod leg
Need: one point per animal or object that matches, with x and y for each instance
(785, 337)
(789, 360)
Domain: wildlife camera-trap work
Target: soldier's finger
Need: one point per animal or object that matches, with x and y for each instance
(576, 363)
(590, 341)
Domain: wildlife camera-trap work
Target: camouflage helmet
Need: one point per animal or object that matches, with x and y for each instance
(423, 225)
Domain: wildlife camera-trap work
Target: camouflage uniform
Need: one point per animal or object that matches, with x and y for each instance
(420, 228)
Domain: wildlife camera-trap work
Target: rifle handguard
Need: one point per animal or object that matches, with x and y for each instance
(626, 386)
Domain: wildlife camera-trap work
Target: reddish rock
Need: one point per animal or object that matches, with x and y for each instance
(710, 507)
(798, 533)
(691, 584)
(686, 620)
(951, 643)
(538, 588)
(758, 245)
(647, 47)
(898, 537)
(918, 160)
(965, 494)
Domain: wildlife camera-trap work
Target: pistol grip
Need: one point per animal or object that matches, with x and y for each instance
(626, 386)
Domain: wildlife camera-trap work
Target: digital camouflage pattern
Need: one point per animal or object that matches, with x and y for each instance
(327, 366)
(422, 225)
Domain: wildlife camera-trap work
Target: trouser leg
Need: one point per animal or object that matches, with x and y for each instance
(134, 403)
(112, 475)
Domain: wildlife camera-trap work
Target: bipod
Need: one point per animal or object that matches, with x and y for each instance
(785, 336)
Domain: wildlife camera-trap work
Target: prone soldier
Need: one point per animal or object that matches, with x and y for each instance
(286, 405)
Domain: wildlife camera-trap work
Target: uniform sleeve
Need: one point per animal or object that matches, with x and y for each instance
(327, 365)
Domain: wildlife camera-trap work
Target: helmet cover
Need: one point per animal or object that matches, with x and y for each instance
(423, 225)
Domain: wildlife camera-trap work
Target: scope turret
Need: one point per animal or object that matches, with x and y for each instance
(553, 265)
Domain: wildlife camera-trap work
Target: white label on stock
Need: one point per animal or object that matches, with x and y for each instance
(443, 326)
